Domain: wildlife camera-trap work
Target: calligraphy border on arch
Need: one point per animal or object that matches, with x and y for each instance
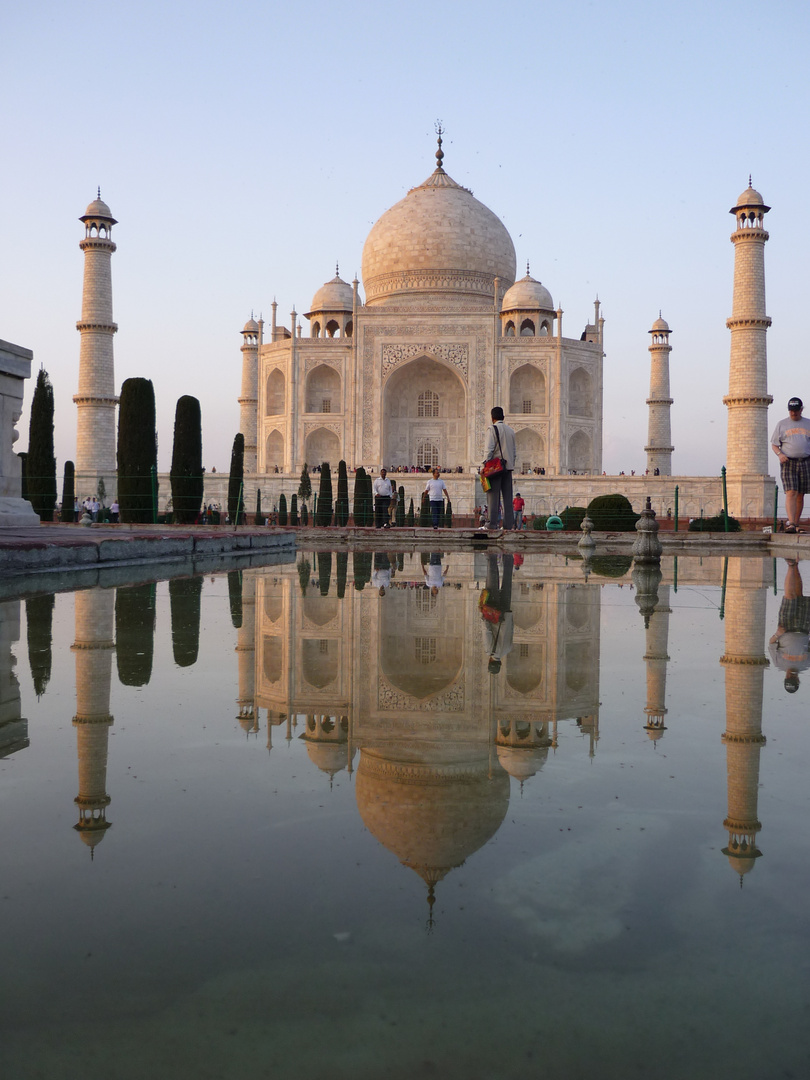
(370, 336)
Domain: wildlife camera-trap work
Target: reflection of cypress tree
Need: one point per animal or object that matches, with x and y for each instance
(235, 596)
(324, 571)
(400, 562)
(39, 622)
(361, 564)
(342, 568)
(304, 570)
(184, 597)
(135, 633)
(342, 501)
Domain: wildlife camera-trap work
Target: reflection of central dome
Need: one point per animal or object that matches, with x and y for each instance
(431, 816)
(438, 240)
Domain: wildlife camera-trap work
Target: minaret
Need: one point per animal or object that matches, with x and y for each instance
(249, 398)
(745, 663)
(96, 400)
(94, 648)
(749, 487)
(659, 433)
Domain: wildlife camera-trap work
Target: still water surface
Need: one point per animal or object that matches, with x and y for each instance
(484, 824)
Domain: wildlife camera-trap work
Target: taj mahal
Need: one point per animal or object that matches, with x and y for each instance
(404, 375)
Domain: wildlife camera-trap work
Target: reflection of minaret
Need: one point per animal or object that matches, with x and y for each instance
(328, 746)
(96, 400)
(248, 715)
(745, 664)
(249, 397)
(659, 431)
(655, 659)
(94, 649)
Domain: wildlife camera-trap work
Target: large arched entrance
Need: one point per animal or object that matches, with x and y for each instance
(322, 445)
(424, 416)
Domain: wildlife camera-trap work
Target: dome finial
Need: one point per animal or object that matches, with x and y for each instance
(439, 153)
(99, 191)
(337, 268)
(750, 184)
(528, 272)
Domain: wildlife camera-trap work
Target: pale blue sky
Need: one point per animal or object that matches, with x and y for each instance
(245, 148)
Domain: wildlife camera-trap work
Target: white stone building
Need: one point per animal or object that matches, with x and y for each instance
(408, 377)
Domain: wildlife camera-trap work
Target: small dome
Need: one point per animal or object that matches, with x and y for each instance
(750, 198)
(335, 295)
(98, 209)
(527, 295)
(660, 326)
(520, 763)
(251, 326)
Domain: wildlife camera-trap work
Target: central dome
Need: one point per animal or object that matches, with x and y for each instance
(437, 244)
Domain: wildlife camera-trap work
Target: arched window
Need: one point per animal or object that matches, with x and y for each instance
(527, 328)
(427, 456)
(274, 402)
(510, 329)
(428, 404)
(316, 329)
(332, 329)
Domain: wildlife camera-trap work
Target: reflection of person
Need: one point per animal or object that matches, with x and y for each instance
(437, 493)
(434, 575)
(518, 504)
(383, 490)
(791, 444)
(790, 645)
(495, 605)
(500, 442)
(381, 578)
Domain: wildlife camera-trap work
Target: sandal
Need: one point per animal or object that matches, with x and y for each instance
(790, 528)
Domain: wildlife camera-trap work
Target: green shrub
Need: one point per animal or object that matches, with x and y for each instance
(539, 522)
(572, 516)
(282, 509)
(714, 524)
(342, 501)
(323, 514)
(424, 511)
(399, 514)
(410, 517)
(612, 513)
(294, 519)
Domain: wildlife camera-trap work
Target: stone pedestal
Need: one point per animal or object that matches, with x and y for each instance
(15, 368)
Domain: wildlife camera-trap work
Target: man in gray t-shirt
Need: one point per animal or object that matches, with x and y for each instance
(791, 444)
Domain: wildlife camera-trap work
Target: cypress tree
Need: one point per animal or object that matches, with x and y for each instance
(424, 512)
(23, 456)
(324, 515)
(400, 511)
(447, 517)
(324, 571)
(68, 513)
(305, 486)
(236, 480)
(294, 519)
(282, 509)
(342, 501)
(137, 450)
(258, 519)
(342, 568)
(235, 597)
(39, 629)
(357, 507)
(135, 633)
(41, 463)
(186, 474)
(409, 517)
(304, 515)
(184, 600)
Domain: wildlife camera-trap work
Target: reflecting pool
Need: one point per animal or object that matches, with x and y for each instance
(407, 815)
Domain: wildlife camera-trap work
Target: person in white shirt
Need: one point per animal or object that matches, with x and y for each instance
(437, 493)
(500, 443)
(383, 490)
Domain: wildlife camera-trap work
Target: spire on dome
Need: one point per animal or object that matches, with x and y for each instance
(439, 153)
